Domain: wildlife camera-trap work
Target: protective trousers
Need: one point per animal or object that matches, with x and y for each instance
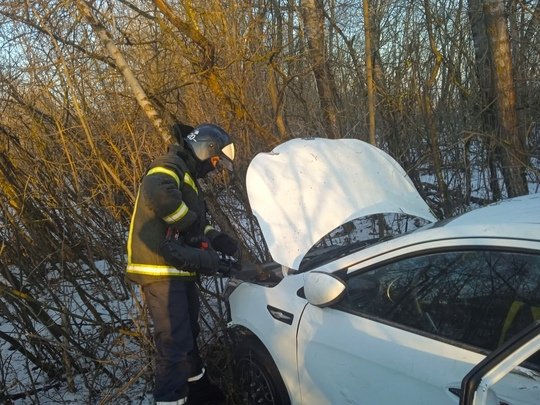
(174, 309)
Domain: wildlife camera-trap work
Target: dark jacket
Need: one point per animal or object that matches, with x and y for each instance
(168, 197)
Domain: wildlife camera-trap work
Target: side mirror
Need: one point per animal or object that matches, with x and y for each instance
(323, 289)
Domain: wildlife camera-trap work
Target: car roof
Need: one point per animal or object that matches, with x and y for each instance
(518, 209)
(519, 217)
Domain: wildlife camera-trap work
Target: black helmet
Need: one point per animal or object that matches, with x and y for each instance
(208, 140)
(180, 131)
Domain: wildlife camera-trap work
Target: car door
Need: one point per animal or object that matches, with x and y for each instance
(408, 331)
(477, 388)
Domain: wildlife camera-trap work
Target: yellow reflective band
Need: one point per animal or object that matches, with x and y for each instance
(208, 228)
(189, 181)
(163, 170)
(177, 215)
(131, 226)
(156, 270)
(187, 178)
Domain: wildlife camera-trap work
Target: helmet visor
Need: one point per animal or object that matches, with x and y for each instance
(228, 151)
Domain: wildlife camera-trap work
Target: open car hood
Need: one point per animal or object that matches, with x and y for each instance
(305, 188)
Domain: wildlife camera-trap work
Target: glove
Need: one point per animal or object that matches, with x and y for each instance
(223, 243)
(193, 236)
(188, 258)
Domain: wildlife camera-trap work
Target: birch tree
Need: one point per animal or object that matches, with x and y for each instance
(123, 67)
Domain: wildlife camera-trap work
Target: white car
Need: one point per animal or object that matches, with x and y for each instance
(399, 321)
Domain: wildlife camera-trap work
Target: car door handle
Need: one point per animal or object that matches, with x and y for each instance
(455, 391)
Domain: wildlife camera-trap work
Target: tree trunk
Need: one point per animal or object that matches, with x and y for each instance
(275, 94)
(123, 67)
(513, 154)
(504, 143)
(486, 95)
(276, 98)
(369, 73)
(313, 17)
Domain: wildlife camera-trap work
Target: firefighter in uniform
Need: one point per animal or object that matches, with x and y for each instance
(169, 244)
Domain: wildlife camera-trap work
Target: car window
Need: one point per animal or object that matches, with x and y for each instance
(479, 298)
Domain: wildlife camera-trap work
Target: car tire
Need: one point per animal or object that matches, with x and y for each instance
(256, 375)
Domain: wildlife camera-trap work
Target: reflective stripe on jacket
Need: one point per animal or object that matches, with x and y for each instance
(156, 270)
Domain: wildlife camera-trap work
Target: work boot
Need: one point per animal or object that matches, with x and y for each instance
(203, 392)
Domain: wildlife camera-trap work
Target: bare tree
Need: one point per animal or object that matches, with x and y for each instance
(431, 126)
(512, 149)
(495, 70)
(313, 17)
(369, 71)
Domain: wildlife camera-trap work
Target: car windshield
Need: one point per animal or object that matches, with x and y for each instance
(358, 234)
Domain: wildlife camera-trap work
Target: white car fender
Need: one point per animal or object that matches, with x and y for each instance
(272, 315)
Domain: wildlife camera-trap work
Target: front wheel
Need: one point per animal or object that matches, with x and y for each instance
(257, 377)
